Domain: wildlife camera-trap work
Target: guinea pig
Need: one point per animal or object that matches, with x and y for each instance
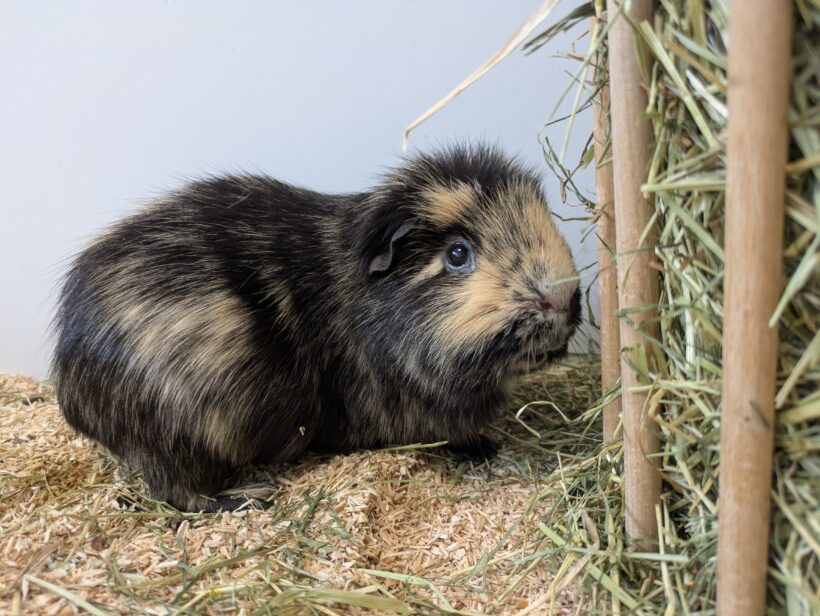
(242, 320)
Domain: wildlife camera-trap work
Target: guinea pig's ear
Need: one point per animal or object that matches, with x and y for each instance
(383, 259)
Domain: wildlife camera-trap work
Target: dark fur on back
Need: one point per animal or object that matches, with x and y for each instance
(244, 320)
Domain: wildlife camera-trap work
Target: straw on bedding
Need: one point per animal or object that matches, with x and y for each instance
(404, 530)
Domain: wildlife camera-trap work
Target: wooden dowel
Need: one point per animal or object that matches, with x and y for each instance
(758, 94)
(637, 281)
(607, 273)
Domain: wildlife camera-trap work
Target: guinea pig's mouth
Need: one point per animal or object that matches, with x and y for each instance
(530, 360)
(534, 347)
(527, 344)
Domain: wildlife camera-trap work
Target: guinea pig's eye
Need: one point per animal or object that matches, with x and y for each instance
(459, 258)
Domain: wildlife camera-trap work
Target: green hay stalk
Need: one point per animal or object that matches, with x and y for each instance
(686, 178)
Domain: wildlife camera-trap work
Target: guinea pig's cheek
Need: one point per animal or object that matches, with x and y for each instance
(476, 309)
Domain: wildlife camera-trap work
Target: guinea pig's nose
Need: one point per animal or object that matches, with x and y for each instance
(560, 300)
(545, 304)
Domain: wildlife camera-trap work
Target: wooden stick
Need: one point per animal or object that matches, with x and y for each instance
(637, 281)
(758, 95)
(607, 275)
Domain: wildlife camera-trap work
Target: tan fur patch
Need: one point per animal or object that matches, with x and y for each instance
(218, 433)
(429, 271)
(522, 254)
(542, 245)
(213, 330)
(477, 308)
(445, 205)
(278, 292)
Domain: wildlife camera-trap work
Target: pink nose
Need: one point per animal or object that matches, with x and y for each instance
(545, 305)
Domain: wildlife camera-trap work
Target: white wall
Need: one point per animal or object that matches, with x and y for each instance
(105, 103)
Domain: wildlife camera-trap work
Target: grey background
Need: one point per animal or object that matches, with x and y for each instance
(104, 104)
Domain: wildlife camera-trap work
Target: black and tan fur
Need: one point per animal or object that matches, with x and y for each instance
(244, 320)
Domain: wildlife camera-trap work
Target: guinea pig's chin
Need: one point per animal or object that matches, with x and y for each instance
(529, 363)
(535, 355)
(534, 360)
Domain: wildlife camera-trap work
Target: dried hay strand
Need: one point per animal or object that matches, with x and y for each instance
(686, 178)
(403, 530)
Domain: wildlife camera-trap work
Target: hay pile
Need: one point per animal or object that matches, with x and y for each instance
(393, 531)
(686, 178)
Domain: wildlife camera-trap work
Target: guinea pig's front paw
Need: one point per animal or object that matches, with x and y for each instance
(478, 450)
